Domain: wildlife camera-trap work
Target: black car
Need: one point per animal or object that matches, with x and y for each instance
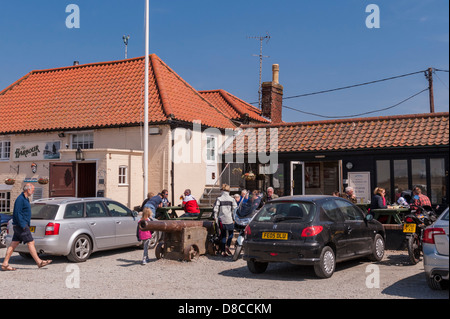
(311, 230)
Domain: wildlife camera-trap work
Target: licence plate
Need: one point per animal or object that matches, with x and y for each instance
(409, 228)
(275, 235)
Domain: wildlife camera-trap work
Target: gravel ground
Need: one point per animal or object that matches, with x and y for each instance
(119, 274)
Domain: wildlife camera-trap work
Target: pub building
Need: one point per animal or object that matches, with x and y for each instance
(320, 157)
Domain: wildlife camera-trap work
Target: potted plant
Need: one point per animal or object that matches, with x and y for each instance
(250, 176)
(10, 181)
(43, 180)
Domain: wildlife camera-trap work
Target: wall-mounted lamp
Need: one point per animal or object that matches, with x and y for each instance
(154, 131)
(61, 134)
(349, 165)
(79, 155)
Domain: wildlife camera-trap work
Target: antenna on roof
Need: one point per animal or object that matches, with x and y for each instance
(125, 39)
(261, 56)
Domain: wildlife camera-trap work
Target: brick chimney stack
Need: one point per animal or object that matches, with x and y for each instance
(272, 97)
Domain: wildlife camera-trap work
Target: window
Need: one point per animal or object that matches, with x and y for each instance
(96, 209)
(419, 174)
(438, 183)
(123, 172)
(5, 202)
(117, 210)
(384, 176)
(400, 177)
(74, 211)
(330, 212)
(211, 148)
(5, 149)
(349, 211)
(83, 140)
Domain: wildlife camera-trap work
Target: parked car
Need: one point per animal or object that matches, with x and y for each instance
(77, 227)
(435, 252)
(4, 219)
(311, 230)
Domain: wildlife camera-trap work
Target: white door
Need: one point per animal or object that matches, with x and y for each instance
(297, 178)
(211, 160)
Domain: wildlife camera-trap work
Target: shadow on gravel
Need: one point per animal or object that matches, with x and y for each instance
(286, 271)
(415, 287)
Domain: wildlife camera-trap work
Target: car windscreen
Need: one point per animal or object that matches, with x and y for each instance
(43, 211)
(289, 210)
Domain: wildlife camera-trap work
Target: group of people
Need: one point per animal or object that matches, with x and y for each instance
(225, 205)
(379, 200)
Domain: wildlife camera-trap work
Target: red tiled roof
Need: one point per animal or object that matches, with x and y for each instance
(234, 107)
(103, 94)
(414, 130)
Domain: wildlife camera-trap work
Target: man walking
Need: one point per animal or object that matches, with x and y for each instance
(223, 215)
(22, 233)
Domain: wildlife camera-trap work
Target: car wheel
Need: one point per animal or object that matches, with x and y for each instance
(378, 248)
(156, 237)
(81, 249)
(327, 264)
(435, 285)
(257, 267)
(3, 237)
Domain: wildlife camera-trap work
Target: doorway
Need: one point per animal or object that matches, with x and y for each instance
(297, 178)
(86, 178)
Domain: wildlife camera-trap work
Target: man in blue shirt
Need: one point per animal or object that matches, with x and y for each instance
(22, 233)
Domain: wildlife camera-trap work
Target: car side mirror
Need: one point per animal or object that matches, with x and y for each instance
(134, 213)
(369, 217)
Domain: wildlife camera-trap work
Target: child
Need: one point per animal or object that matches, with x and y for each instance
(145, 235)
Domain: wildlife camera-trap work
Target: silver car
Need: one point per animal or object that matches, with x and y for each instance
(77, 227)
(435, 252)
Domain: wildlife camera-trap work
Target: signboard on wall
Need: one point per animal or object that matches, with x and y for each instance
(360, 181)
(36, 151)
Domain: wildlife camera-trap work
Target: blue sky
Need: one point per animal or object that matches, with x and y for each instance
(319, 45)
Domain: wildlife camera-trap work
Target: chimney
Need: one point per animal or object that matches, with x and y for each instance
(76, 63)
(272, 97)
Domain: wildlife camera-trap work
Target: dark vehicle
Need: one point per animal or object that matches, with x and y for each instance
(311, 230)
(4, 219)
(414, 225)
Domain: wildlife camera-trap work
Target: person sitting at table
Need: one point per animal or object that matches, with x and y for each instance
(349, 194)
(165, 200)
(419, 200)
(154, 202)
(189, 204)
(379, 199)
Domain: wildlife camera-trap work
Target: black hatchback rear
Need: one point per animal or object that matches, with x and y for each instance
(311, 230)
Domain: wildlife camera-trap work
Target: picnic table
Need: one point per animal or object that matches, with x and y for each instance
(390, 215)
(174, 212)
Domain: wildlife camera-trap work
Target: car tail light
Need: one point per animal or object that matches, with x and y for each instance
(428, 235)
(311, 231)
(409, 220)
(247, 230)
(52, 229)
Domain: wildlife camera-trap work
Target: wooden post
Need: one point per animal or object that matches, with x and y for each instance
(430, 89)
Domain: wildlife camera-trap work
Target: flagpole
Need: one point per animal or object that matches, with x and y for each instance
(147, 31)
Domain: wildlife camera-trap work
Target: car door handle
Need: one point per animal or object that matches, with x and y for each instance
(118, 222)
(93, 223)
(348, 230)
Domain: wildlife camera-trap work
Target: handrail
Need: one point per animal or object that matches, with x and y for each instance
(209, 193)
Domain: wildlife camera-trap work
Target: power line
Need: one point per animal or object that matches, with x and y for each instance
(360, 114)
(353, 86)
